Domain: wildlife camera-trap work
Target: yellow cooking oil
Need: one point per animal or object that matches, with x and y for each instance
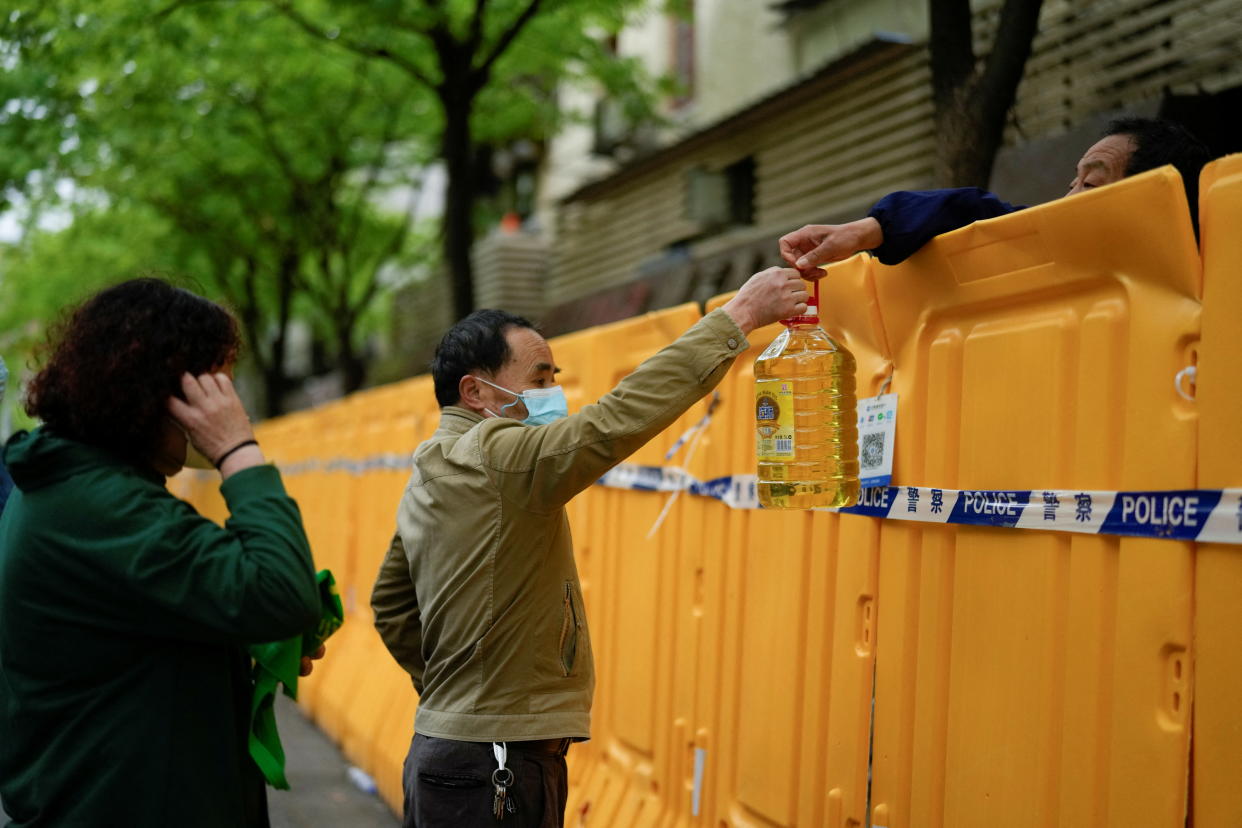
(806, 424)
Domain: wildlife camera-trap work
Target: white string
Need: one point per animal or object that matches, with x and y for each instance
(501, 751)
(668, 504)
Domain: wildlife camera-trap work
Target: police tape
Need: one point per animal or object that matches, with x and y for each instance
(1206, 515)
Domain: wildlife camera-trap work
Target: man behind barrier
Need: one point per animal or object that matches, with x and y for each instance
(478, 597)
(902, 222)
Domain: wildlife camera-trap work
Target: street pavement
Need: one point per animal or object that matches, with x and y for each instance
(321, 793)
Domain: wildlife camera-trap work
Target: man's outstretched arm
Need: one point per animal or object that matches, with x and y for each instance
(895, 228)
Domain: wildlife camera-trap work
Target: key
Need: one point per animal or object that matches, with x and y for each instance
(502, 778)
(498, 804)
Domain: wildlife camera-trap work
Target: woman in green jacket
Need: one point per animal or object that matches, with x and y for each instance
(124, 615)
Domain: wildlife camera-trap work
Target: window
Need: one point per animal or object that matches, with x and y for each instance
(719, 199)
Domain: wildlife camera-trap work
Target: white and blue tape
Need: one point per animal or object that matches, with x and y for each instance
(1205, 515)
(1208, 515)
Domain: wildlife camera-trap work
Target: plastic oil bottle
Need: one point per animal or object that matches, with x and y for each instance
(806, 427)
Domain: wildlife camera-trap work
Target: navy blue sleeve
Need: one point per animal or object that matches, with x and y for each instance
(910, 219)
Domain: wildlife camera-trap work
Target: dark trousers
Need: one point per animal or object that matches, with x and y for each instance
(449, 783)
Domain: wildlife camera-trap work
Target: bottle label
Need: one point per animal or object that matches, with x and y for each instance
(774, 420)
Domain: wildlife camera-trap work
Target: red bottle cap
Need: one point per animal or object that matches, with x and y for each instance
(811, 317)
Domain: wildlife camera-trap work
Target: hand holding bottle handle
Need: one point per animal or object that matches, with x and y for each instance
(769, 296)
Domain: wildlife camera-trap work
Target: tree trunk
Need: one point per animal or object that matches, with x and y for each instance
(246, 303)
(972, 101)
(275, 382)
(459, 159)
(352, 366)
(965, 146)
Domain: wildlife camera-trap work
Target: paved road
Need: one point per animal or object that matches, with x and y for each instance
(320, 794)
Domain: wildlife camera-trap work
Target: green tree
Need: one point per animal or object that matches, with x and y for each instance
(51, 271)
(256, 157)
(490, 67)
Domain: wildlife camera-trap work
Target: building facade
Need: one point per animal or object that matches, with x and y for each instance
(809, 111)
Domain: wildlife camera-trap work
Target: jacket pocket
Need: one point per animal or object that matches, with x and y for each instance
(570, 625)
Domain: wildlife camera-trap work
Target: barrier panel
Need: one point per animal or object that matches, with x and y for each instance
(1032, 678)
(768, 668)
(782, 718)
(331, 521)
(1217, 742)
(620, 776)
(381, 718)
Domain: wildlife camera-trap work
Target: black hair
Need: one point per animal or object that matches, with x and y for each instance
(118, 357)
(1158, 142)
(476, 343)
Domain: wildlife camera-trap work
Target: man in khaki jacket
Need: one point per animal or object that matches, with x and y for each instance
(478, 596)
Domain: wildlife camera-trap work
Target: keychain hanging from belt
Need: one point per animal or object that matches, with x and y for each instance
(502, 778)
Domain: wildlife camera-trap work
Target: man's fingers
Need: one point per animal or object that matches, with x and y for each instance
(834, 249)
(812, 259)
(790, 251)
(793, 280)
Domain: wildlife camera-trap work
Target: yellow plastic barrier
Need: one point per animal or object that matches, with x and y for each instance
(1217, 797)
(1017, 678)
(787, 616)
(330, 522)
(1027, 678)
(385, 436)
(385, 726)
(619, 773)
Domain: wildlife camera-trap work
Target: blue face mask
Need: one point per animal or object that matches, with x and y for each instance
(543, 405)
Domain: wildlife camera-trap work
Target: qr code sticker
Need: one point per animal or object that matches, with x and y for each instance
(872, 451)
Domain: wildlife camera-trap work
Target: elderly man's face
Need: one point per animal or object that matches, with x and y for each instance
(530, 366)
(1104, 163)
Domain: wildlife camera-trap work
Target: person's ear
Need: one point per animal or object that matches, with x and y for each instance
(469, 390)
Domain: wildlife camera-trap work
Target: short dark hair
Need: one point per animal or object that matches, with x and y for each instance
(476, 343)
(117, 358)
(1158, 142)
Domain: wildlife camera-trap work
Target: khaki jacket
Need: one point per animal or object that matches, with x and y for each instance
(478, 597)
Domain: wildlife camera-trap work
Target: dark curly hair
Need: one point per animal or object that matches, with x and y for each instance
(117, 358)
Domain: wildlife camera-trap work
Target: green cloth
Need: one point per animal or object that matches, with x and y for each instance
(279, 663)
(125, 685)
(478, 596)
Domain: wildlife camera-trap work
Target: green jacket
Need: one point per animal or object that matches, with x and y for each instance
(124, 685)
(478, 597)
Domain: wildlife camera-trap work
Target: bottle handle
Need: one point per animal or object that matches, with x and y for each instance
(806, 317)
